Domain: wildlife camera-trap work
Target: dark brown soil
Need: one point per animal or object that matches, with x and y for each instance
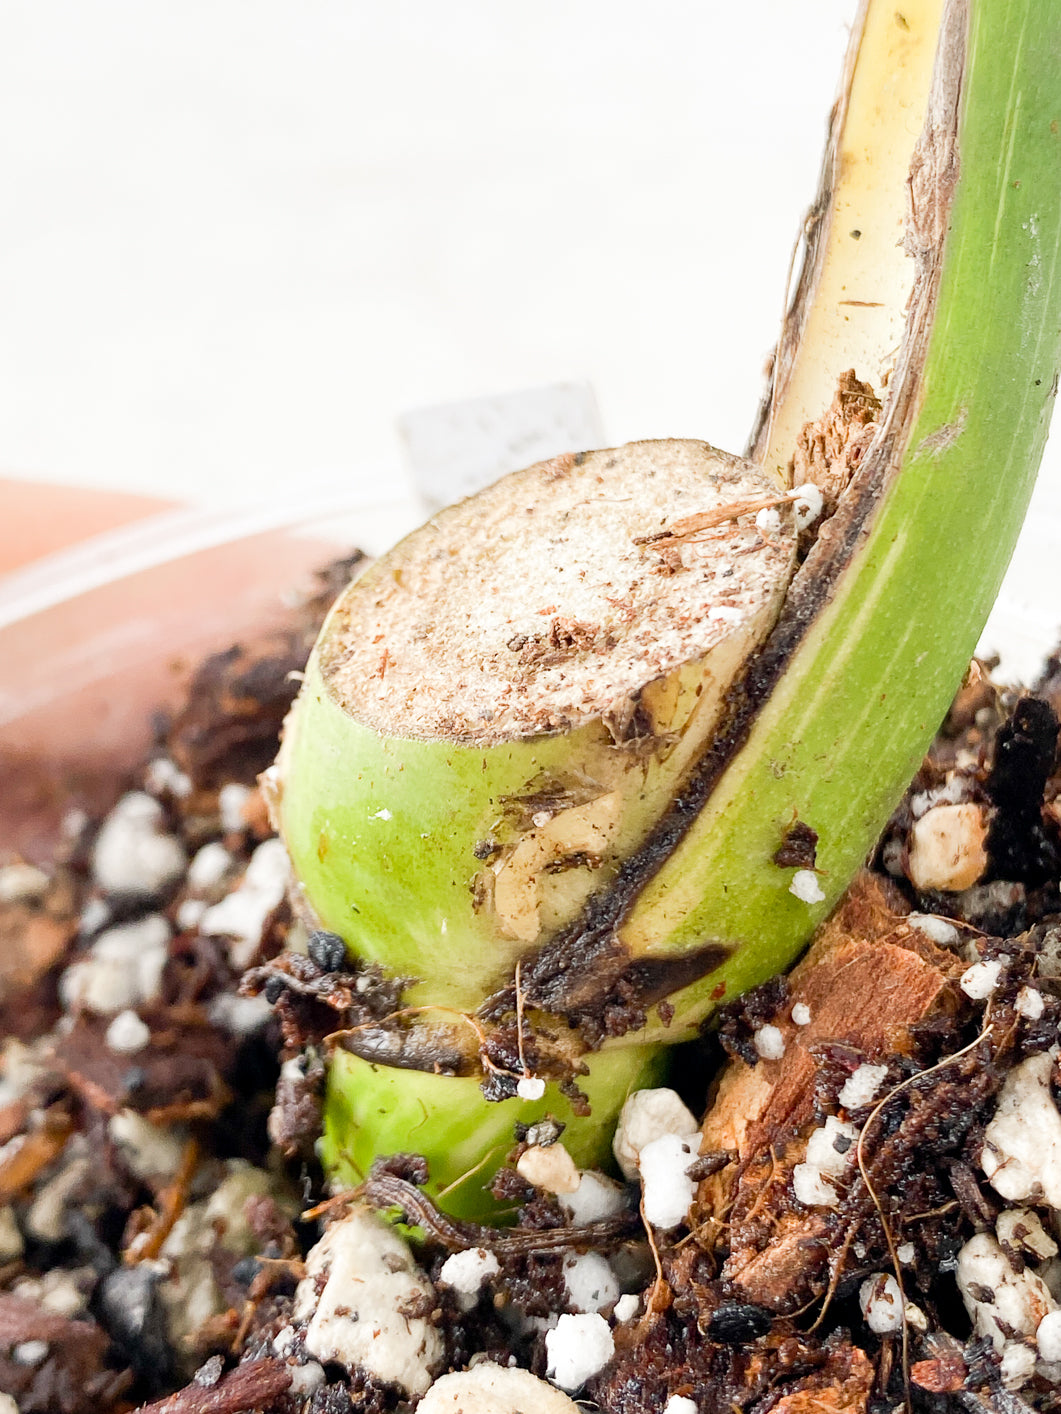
(751, 1305)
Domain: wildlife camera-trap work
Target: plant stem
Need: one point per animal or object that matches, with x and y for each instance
(621, 866)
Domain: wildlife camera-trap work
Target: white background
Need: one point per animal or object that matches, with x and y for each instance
(240, 237)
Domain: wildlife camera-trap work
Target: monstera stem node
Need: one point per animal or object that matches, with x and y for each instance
(600, 747)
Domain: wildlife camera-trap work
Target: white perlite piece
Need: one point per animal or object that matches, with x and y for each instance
(906, 1252)
(1022, 1144)
(122, 969)
(769, 1042)
(189, 913)
(231, 799)
(980, 980)
(1022, 1229)
(306, 1378)
(811, 1186)
(807, 503)
(938, 929)
(595, 1199)
(284, 1340)
(804, 884)
(648, 1115)
(578, 1349)
(627, 1307)
(465, 1272)
(61, 1291)
(127, 1034)
(1048, 1337)
(162, 776)
(530, 1087)
(801, 1014)
(22, 883)
(549, 1166)
(1030, 1003)
(132, 854)
(882, 1303)
(946, 848)
(30, 1352)
(680, 1404)
(1017, 1364)
(1018, 1300)
(667, 1189)
(241, 916)
(494, 1389)
(240, 1015)
(591, 1283)
(861, 1086)
(8, 1405)
(832, 1147)
(371, 1282)
(209, 866)
(915, 1317)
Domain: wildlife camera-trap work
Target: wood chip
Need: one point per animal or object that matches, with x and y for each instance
(864, 994)
(254, 1385)
(846, 1393)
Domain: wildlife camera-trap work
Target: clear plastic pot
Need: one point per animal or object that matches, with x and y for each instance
(96, 640)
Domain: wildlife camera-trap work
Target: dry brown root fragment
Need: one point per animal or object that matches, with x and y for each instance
(694, 526)
(26, 1157)
(13, 1119)
(171, 1203)
(383, 1190)
(863, 990)
(829, 450)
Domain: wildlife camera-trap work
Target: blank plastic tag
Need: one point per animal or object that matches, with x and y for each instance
(456, 449)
